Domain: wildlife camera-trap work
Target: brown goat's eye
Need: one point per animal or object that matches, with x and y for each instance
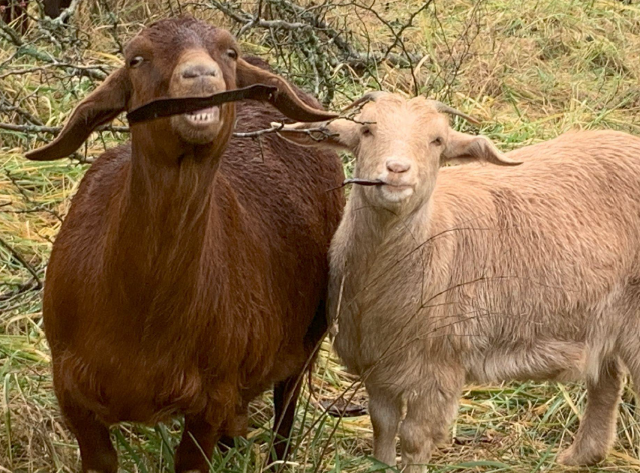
(136, 61)
(232, 53)
(437, 142)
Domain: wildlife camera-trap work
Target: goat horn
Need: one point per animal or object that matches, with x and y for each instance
(440, 107)
(368, 97)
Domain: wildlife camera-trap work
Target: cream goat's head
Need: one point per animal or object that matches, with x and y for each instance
(399, 142)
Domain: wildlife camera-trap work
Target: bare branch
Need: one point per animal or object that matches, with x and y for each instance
(56, 129)
(23, 262)
(67, 13)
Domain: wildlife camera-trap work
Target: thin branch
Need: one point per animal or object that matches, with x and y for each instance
(254, 134)
(11, 34)
(23, 262)
(66, 13)
(100, 70)
(26, 197)
(5, 107)
(30, 50)
(317, 134)
(57, 129)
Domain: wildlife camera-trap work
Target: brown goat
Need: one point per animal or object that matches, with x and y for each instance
(190, 273)
(483, 272)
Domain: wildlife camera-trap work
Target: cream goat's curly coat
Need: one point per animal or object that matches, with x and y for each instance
(481, 272)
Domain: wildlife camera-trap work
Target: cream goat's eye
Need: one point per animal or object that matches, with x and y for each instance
(366, 131)
(136, 61)
(437, 142)
(232, 53)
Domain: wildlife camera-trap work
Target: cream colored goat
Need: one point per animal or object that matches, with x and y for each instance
(483, 273)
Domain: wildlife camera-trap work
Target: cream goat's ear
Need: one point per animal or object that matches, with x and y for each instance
(461, 148)
(285, 99)
(337, 134)
(101, 106)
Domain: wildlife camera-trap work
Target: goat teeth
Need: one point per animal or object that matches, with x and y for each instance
(203, 117)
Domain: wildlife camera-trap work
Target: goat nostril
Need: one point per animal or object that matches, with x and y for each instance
(398, 166)
(198, 70)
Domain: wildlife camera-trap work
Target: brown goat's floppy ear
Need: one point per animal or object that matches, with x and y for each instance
(101, 106)
(285, 99)
(338, 134)
(461, 148)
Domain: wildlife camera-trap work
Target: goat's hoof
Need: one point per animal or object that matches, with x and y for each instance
(573, 457)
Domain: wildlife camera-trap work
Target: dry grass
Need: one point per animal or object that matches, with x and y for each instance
(529, 69)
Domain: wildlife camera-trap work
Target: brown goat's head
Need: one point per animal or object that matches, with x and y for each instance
(401, 143)
(168, 59)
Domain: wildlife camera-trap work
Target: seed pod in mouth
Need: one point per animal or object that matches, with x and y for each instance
(363, 182)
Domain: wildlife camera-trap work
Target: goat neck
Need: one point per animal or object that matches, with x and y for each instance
(367, 229)
(166, 214)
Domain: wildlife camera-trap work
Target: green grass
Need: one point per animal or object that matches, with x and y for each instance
(529, 70)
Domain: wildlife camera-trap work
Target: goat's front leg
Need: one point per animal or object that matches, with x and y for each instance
(196, 447)
(236, 426)
(430, 410)
(597, 429)
(385, 410)
(96, 449)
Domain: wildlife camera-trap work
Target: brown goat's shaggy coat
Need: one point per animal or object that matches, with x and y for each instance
(188, 277)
